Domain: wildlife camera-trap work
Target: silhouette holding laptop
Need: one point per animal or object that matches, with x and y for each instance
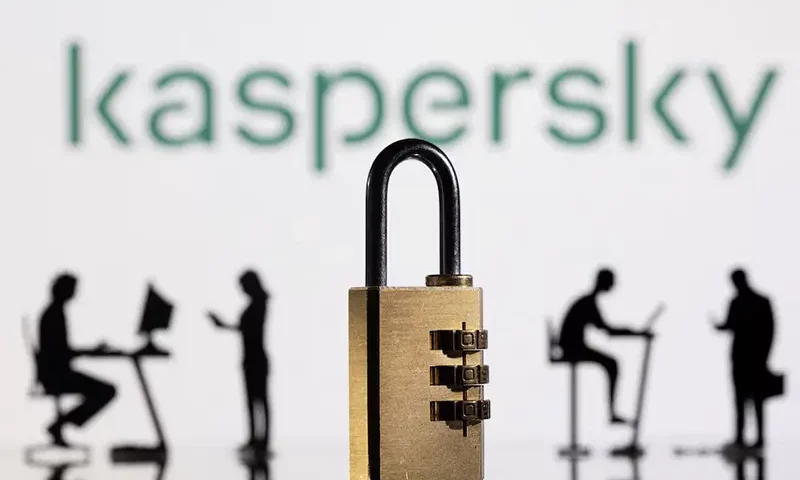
(54, 363)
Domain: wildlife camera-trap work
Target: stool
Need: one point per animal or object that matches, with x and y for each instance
(555, 356)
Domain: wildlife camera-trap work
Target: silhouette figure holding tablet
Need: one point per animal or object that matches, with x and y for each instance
(254, 364)
(54, 363)
(750, 320)
(582, 313)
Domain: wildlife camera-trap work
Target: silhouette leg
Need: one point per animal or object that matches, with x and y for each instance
(266, 433)
(251, 417)
(251, 420)
(96, 394)
(758, 404)
(740, 414)
(55, 431)
(589, 355)
(258, 393)
(264, 403)
(612, 371)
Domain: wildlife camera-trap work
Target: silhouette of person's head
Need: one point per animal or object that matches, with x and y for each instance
(64, 287)
(251, 284)
(604, 281)
(739, 279)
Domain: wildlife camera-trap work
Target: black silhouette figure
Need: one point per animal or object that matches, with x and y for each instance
(54, 363)
(751, 321)
(255, 363)
(582, 313)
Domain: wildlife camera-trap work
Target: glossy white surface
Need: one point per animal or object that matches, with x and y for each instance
(515, 462)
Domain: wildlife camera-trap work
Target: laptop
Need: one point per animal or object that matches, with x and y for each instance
(654, 316)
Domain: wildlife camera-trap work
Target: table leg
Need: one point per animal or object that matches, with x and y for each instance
(151, 408)
(138, 454)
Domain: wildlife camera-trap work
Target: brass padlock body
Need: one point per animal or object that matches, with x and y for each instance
(411, 446)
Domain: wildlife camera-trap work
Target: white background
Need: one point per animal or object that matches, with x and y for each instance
(538, 218)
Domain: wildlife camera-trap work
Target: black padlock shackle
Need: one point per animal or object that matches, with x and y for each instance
(449, 206)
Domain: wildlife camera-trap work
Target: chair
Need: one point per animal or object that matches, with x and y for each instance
(556, 356)
(38, 390)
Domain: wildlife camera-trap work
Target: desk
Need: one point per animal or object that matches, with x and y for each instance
(133, 453)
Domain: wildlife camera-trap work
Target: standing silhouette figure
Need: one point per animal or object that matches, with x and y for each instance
(581, 314)
(750, 320)
(54, 363)
(255, 363)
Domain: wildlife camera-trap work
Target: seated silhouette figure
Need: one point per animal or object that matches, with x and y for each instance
(583, 313)
(255, 364)
(750, 319)
(54, 363)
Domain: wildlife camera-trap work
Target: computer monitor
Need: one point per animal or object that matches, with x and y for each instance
(156, 315)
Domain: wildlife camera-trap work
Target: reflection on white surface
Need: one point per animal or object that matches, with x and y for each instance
(514, 462)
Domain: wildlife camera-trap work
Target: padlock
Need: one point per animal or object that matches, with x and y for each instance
(416, 353)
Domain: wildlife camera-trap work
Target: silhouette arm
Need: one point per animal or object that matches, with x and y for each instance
(621, 332)
(611, 330)
(221, 324)
(730, 319)
(616, 331)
